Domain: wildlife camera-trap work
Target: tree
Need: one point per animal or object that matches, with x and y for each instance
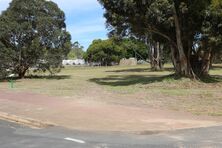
(212, 30)
(33, 32)
(113, 49)
(133, 48)
(76, 51)
(105, 52)
(178, 24)
(4, 59)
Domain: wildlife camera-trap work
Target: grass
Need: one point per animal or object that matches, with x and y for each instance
(136, 85)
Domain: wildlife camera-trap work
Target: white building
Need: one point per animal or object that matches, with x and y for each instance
(74, 62)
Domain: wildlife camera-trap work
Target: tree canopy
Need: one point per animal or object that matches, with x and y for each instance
(189, 27)
(134, 48)
(112, 50)
(76, 51)
(33, 34)
(104, 52)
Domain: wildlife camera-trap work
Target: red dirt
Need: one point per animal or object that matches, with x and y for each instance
(97, 116)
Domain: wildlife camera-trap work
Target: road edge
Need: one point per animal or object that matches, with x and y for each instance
(25, 121)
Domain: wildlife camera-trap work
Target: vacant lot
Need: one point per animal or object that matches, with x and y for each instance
(131, 86)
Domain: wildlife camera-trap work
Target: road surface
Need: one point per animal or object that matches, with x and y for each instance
(16, 136)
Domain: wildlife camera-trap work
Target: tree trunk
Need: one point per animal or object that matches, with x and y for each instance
(161, 61)
(175, 59)
(22, 71)
(185, 68)
(212, 59)
(206, 63)
(22, 74)
(155, 57)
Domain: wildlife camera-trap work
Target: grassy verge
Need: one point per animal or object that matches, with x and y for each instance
(136, 85)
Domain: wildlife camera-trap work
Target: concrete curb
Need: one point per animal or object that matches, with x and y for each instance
(25, 121)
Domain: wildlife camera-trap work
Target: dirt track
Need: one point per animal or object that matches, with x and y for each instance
(97, 116)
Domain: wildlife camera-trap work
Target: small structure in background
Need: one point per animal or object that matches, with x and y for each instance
(128, 62)
(80, 62)
(94, 64)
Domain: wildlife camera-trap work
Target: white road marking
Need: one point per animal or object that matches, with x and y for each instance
(75, 140)
(177, 138)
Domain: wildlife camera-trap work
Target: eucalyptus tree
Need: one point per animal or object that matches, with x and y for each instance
(212, 30)
(4, 59)
(76, 51)
(33, 34)
(179, 24)
(104, 52)
(112, 50)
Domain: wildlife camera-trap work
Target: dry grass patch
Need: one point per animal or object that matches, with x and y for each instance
(135, 85)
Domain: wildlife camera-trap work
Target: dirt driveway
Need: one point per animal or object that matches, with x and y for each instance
(98, 116)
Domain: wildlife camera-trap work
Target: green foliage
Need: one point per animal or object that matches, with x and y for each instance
(212, 30)
(134, 48)
(180, 25)
(76, 52)
(4, 59)
(104, 52)
(112, 50)
(33, 32)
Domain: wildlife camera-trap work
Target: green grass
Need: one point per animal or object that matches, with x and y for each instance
(136, 85)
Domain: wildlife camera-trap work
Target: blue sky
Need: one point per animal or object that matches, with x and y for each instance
(84, 19)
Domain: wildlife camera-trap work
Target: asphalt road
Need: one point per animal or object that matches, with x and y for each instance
(16, 136)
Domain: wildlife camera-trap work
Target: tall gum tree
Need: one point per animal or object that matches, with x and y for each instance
(34, 34)
(180, 23)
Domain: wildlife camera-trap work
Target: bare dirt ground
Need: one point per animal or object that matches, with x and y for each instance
(94, 115)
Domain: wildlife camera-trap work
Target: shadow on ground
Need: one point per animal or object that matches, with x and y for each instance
(217, 67)
(126, 80)
(130, 79)
(212, 79)
(139, 70)
(48, 77)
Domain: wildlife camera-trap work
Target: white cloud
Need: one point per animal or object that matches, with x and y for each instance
(84, 23)
(88, 26)
(4, 4)
(86, 29)
(69, 5)
(85, 32)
